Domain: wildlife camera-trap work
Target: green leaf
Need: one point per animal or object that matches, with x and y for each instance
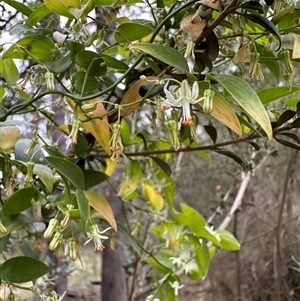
(163, 165)
(84, 209)
(36, 47)
(190, 218)
(129, 32)
(212, 132)
(253, 5)
(130, 239)
(247, 98)
(4, 241)
(292, 102)
(9, 71)
(161, 263)
(38, 14)
(284, 117)
(69, 170)
(265, 23)
(63, 7)
(91, 62)
(61, 65)
(20, 200)
(288, 143)
(233, 156)
(22, 269)
(165, 54)
(20, 7)
(99, 203)
(110, 2)
(201, 255)
(91, 83)
(271, 94)
(114, 63)
(169, 191)
(283, 14)
(273, 66)
(45, 174)
(93, 178)
(228, 241)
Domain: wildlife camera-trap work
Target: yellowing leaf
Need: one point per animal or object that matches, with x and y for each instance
(132, 95)
(9, 135)
(99, 128)
(127, 186)
(153, 196)
(99, 203)
(63, 7)
(110, 166)
(222, 111)
(242, 55)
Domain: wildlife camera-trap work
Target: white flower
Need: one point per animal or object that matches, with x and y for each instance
(176, 286)
(184, 97)
(96, 235)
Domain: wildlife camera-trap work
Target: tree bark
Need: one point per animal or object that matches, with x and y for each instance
(113, 274)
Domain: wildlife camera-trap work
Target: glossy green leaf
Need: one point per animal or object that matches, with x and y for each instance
(61, 65)
(228, 241)
(212, 132)
(273, 66)
(78, 80)
(247, 98)
(38, 14)
(84, 209)
(264, 22)
(284, 117)
(45, 175)
(99, 203)
(233, 156)
(24, 29)
(62, 7)
(9, 71)
(20, 7)
(31, 47)
(93, 178)
(162, 164)
(91, 62)
(190, 218)
(165, 54)
(271, 94)
(252, 5)
(69, 170)
(20, 200)
(4, 241)
(284, 13)
(161, 263)
(114, 63)
(22, 269)
(201, 255)
(288, 143)
(129, 32)
(292, 102)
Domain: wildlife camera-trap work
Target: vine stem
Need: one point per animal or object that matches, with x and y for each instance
(199, 148)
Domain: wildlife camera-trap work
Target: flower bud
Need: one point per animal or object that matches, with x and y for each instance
(269, 44)
(53, 223)
(189, 51)
(11, 296)
(115, 142)
(193, 128)
(89, 107)
(91, 39)
(74, 132)
(49, 77)
(64, 223)
(29, 174)
(57, 239)
(31, 147)
(172, 132)
(287, 61)
(254, 57)
(73, 249)
(287, 80)
(208, 101)
(3, 229)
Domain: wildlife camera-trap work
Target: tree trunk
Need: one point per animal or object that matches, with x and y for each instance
(113, 273)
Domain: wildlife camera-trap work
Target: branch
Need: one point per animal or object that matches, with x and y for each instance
(194, 149)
